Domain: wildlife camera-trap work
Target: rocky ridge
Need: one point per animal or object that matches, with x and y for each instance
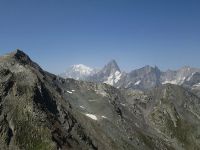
(39, 110)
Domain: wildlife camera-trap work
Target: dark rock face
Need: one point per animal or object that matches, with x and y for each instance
(33, 113)
(40, 111)
(144, 78)
(193, 83)
(111, 67)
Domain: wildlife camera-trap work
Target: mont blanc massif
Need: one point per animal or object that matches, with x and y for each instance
(97, 109)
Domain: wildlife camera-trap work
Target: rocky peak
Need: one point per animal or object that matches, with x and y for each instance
(17, 56)
(111, 67)
(18, 52)
(20, 56)
(146, 70)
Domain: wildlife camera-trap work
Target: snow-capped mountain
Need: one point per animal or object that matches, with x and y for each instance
(178, 76)
(78, 72)
(110, 74)
(148, 77)
(142, 78)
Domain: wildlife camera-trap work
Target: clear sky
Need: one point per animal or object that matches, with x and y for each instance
(59, 33)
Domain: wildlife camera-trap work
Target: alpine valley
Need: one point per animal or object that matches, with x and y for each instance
(100, 109)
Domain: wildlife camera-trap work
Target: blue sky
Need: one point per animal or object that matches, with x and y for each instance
(59, 33)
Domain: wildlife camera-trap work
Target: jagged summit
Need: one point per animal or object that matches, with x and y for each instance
(149, 68)
(18, 52)
(111, 67)
(113, 62)
(109, 74)
(18, 56)
(21, 56)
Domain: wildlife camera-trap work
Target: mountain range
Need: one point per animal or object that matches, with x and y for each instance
(143, 78)
(42, 111)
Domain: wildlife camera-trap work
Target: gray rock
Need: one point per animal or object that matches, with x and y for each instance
(39, 110)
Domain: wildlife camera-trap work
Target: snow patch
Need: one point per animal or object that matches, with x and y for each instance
(91, 116)
(128, 84)
(190, 77)
(82, 107)
(180, 80)
(170, 82)
(117, 76)
(92, 100)
(70, 92)
(104, 117)
(113, 78)
(138, 82)
(122, 104)
(197, 85)
(110, 80)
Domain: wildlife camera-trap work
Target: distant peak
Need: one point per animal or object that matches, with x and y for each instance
(156, 67)
(111, 67)
(82, 69)
(186, 67)
(113, 64)
(151, 67)
(148, 67)
(80, 66)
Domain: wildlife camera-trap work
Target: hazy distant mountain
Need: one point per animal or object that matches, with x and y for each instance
(109, 74)
(143, 78)
(178, 76)
(78, 72)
